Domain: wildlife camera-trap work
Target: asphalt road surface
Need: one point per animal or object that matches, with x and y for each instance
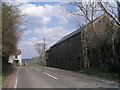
(45, 77)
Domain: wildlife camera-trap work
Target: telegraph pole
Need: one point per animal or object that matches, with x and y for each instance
(44, 46)
(44, 57)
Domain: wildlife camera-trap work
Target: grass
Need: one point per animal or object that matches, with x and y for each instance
(6, 73)
(0, 78)
(0, 81)
(93, 71)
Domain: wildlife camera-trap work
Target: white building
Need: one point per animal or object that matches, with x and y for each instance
(16, 59)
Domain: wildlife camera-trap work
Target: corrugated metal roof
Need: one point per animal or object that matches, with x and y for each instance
(68, 36)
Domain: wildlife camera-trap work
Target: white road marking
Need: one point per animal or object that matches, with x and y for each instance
(37, 69)
(47, 74)
(50, 75)
(16, 78)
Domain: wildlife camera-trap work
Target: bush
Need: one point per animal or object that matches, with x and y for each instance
(97, 72)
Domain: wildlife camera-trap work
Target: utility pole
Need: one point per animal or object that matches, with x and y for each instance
(44, 46)
(44, 57)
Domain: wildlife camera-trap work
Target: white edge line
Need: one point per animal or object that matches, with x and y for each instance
(50, 75)
(16, 79)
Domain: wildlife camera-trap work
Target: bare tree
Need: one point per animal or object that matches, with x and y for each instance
(89, 11)
(40, 49)
(112, 12)
(118, 6)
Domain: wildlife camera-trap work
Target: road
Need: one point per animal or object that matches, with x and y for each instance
(45, 77)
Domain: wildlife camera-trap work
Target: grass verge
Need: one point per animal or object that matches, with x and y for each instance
(93, 71)
(0, 81)
(6, 73)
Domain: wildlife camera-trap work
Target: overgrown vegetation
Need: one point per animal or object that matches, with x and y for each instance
(7, 72)
(0, 80)
(103, 49)
(37, 62)
(97, 72)
(101, 46)
(11, 32)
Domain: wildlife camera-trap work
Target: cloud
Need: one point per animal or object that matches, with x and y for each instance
(38, 18)
(28, 9)
(39, 11)
(63, 20)
(43, 14)
(51, 34)
(29, 43)
(54, 33)
(27, 32)
(46, 20)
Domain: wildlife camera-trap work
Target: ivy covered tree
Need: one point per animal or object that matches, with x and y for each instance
(105, 53)
(11, 32)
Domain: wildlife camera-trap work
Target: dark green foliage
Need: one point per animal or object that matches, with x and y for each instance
(10, 28)
(103, 47)
(96, 71)
(106, 54)
(6, 68)
(11, 32)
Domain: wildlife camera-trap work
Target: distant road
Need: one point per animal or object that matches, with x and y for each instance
(45, 77)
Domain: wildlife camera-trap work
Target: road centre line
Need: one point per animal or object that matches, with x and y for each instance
(37, 69)
(50, 75)
(47, 74)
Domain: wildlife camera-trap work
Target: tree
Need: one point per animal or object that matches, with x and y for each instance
(0, 29)
(118, 7)
(88, 12)
(112, 12)
(11, 31)
(40, 49)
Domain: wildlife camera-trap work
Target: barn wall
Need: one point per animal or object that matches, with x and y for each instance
(67, 54)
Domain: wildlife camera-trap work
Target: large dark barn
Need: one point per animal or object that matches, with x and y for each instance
(66, 53)
(70, 51)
